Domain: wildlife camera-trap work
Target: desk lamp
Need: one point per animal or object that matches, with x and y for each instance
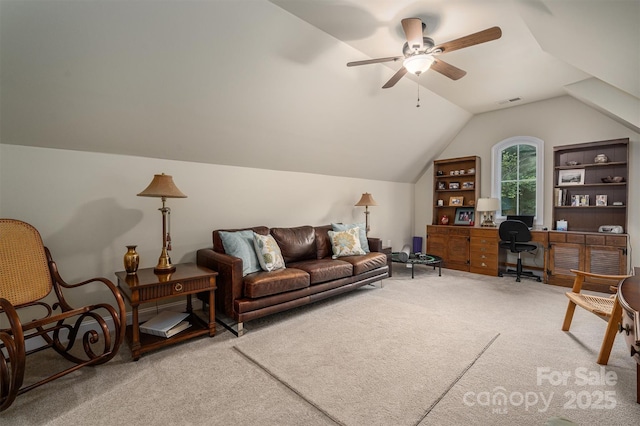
(366, 200)
(162, 186)
(488, 206)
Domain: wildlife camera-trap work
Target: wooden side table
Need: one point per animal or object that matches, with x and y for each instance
(145, 287)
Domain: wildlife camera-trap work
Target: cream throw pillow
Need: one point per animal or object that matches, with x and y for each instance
(346, 243)
(268, 252)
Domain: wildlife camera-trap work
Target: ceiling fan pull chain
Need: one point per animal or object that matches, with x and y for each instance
(418, 104)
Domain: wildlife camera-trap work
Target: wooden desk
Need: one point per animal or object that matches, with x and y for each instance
(629, 298)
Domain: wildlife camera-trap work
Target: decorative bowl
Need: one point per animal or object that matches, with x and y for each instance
(613, 179)
(572, 163)
(601, 158)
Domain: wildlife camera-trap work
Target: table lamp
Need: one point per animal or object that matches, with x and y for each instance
(366, 200)
(162, 186)
(488, 206)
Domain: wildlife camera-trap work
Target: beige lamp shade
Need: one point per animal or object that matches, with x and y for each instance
(162, 186)
(488, 204)
(366, 200)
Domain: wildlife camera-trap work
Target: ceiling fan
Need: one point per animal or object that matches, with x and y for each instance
(421, 53)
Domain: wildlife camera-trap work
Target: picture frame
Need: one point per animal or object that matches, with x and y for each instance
(601, 200)
(456, 201)
(454, 185)
(467, 185)
(464, 216)
(570, 177)
(579, 200)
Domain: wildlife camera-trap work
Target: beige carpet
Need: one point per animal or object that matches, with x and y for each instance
(428, 351)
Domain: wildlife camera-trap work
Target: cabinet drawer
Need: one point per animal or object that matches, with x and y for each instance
(484, 260)
(616, 240)
(488, 248)
(597, 240)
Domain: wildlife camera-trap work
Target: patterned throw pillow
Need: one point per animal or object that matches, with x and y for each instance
(364, 243)
(268, 252)
(240, 244)
(346, 243)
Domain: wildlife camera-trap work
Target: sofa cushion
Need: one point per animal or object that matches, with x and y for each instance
(368, 262)
(260, 284)
(364, 243)
(268, 252)
(240, 244)
(346, 243)
(323, 270)
(296, 243)
(323, 242)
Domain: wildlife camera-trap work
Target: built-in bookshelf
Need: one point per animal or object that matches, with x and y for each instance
(591, 185)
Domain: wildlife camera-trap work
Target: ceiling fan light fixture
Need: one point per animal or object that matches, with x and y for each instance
(417, 64)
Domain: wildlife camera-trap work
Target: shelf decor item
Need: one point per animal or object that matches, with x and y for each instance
(456, 201)
(571, 177)
(601, 158)
(131, 260)
(464, 216)
(162, 186)
(601, 200)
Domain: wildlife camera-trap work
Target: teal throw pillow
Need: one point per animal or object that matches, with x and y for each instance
(240, 244)
(364, 243)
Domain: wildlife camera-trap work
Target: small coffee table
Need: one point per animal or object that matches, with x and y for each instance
(420, 259)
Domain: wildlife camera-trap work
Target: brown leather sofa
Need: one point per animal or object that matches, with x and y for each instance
(311, 274)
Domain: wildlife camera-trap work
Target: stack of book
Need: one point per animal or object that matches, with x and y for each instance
(166, 324)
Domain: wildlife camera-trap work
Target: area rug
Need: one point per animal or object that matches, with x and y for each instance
(368, 360)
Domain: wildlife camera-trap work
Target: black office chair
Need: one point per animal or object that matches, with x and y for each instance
(514, 236)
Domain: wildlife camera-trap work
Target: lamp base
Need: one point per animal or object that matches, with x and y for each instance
(164, 265)
(487, 221)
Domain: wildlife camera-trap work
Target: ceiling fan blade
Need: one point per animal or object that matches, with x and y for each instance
(448, 70)
(373, 61)
(413, 30)
(396, 77)
(484, 36)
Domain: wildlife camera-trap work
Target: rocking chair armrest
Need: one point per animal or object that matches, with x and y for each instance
(120, 322)
(15, 325)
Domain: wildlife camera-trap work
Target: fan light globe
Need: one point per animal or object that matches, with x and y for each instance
(417, 64)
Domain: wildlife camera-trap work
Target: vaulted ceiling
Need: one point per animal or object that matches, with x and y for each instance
(264, 84)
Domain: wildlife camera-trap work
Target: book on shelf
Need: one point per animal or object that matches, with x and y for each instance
(166, 324)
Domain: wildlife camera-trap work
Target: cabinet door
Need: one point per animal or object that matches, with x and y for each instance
(606, 260)
(562, 258)
(458, 252)
(437, 245)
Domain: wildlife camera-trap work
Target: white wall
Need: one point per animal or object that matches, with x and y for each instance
(86, 209)
(558, 121)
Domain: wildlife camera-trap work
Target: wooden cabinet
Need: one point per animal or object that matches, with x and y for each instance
(591, 252)
(581, 197)
(483, 251)
(456, 185)
(451, 243)
(587, 200)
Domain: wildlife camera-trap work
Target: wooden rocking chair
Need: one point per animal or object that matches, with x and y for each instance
(606, 308)
(27, 276)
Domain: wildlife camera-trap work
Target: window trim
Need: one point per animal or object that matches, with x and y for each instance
(496, 170)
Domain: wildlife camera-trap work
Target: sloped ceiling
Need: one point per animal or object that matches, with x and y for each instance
(264, 84)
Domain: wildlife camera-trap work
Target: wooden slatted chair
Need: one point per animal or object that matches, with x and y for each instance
(27, 276)
(606, 308)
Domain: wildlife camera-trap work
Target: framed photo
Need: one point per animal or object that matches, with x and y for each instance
(579, 200)
(601, 200)
(456, 201)
(441, 185)
(454, 185)
(467, 185)
(464, 216)
(571, 177)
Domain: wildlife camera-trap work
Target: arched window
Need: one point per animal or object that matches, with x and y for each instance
(516, 176)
